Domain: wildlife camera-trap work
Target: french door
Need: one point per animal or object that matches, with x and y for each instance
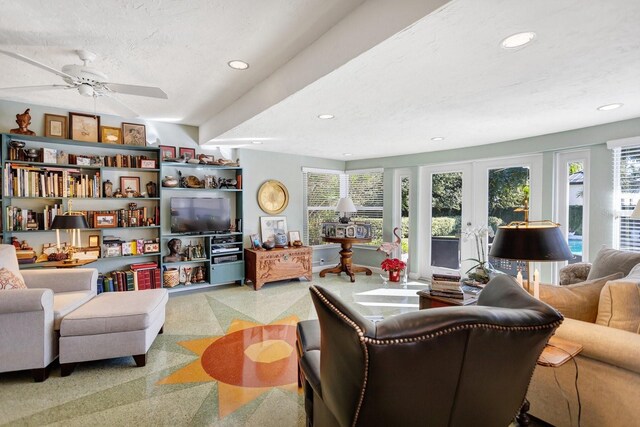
(458, 199)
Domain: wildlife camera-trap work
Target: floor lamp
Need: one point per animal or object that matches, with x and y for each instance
(530, 241)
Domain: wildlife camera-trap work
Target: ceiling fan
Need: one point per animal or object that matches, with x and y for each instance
(88, 81)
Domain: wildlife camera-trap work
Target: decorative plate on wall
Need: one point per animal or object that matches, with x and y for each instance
(273, 197)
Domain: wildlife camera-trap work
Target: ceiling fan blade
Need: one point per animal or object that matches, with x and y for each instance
(119, 106)
(37, 64)
(153, 92)
(43, 87)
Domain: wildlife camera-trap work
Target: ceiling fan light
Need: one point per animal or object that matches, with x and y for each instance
(85, 90)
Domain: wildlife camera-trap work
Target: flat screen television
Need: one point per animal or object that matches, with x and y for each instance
(200, 215)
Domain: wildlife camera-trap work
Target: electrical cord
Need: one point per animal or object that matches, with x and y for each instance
(566, 398)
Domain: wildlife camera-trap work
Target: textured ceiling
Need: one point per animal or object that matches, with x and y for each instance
(181, 47)
(395, 74)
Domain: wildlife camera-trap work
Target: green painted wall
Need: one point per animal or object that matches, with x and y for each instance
(592, 138)
(260, 166)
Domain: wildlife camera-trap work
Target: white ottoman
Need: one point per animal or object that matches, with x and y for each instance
(113, 324)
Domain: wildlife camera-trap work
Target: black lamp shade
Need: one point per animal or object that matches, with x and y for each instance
(530, 242)
(69, 222)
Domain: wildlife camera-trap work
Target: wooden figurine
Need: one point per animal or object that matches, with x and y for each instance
(23, 120)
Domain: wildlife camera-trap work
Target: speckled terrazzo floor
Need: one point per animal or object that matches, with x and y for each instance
(115, 392)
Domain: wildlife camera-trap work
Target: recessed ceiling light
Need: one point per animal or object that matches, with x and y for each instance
(236, 64)
(347, 154)
(610, 106)
(256, 142)
(326, 116)
(438, 138)
(518, 40)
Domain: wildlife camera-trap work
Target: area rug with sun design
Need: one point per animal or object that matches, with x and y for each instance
(248, 361)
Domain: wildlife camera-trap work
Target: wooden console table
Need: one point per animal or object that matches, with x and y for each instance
(345, 258)
(262, 266)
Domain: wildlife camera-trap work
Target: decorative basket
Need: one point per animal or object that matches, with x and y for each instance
(171, 278)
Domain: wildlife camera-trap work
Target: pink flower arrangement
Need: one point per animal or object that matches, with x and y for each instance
(393, 264)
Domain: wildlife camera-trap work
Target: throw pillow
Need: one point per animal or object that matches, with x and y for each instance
(8, 280)
(609, 261)
(619, 305)
(578, 301)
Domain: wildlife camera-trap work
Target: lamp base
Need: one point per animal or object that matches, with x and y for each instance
(344, 220)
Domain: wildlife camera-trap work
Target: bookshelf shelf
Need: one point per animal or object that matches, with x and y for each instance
(201, 189)
(199, 166)
(131, 256)
(81, 167)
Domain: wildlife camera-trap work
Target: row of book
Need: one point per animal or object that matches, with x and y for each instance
(139, 277)
(17, 219)
(30, 181)
(52, 155)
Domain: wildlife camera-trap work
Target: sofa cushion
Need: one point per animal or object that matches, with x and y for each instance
(619, 305)
(9, 280)
(578, 301)
(113, 312)
(9, 260)
(65, 302)
(609, 261)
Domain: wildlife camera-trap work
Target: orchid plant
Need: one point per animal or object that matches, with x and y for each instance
(479, 271)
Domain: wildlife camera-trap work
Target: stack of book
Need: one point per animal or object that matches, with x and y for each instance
(446, 285)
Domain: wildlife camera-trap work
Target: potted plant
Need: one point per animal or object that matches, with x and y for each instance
(394, 266)
(479, 272)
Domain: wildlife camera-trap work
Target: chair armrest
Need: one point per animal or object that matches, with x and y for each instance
(25, 300)
(608, 345)
(574, 273)
(62, 280)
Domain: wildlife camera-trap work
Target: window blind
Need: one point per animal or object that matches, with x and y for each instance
(324, 188)
(626, 193)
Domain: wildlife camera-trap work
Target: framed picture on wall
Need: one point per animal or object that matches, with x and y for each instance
(55, 126)
(271, 225)
(84, 127)
(110, 135)
(134, 134)
(188, 153)
(167, 152)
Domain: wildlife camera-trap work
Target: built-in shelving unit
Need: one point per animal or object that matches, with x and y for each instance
(216, 269)
(31, 192)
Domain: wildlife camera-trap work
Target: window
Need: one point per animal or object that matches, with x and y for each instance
(626, 192)
(323, 188)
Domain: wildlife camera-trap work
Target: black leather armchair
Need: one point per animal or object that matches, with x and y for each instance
(454, 366)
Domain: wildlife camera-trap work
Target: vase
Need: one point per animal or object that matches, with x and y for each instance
(394, 275)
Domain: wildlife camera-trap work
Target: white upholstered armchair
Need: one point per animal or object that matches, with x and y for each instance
(30, 318)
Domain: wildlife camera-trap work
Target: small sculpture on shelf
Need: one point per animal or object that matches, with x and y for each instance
(170, 181)
(23, 120)
(175, 247)
(152, 189)
(227, 182)
(118, 194)
(198, 274)
(108, 188)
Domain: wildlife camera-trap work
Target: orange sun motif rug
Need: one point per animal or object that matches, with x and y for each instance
(249, 360)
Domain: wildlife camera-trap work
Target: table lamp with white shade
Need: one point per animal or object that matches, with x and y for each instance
(345, 206)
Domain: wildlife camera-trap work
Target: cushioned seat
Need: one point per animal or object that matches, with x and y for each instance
(111, 325)
(66, 302)
(114, 312)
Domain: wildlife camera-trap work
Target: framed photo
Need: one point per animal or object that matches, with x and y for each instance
(340, 231)
(294, 236)
(148, 164)
(94, 241)
(134, 134)
(49, 155)
(167, 152)
(328, 230)
(133, 221)
(270, 225)
(112, 250)
(84, 127)
(83, 161)
(188, 153)
(255, 241)
(132, 182)
(350, 231)
(55, 126)
(150, 248)
(110, 135)
(105, 220)
(363, 231)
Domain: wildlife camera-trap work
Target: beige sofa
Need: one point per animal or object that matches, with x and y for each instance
(30, 318)
(608, 366)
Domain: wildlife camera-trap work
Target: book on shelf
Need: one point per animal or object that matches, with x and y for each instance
(30, 181)
(141, 277)
(49, 155)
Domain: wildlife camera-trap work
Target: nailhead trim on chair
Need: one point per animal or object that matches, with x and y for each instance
(366, 340)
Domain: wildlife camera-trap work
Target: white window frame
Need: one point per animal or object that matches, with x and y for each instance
(344, 192)
(561, 199)
(616, 146)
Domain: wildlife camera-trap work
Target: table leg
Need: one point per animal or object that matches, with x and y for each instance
(335, 270)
